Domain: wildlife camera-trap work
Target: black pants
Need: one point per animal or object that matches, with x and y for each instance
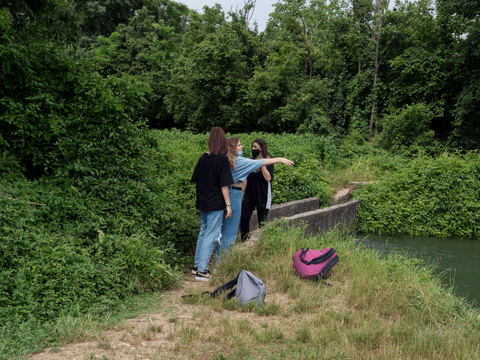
(245, 216)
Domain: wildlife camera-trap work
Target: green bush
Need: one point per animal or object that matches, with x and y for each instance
(429, 196)
(45, 272)
(408, 126)
(303, 181)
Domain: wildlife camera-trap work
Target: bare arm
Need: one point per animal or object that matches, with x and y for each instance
(266, 173)
(278, 160)
(226, 197)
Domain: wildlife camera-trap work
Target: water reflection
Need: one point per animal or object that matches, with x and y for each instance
(458, 260)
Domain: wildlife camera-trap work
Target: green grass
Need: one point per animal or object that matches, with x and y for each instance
(377, 308)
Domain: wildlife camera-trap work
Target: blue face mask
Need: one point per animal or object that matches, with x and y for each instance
(239, 153)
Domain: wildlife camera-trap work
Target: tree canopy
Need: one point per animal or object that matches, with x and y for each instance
(316, 68)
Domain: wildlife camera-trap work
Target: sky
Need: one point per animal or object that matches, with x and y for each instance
(262, 8)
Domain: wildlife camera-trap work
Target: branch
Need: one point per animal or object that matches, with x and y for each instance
(305, 27)
(404, 27)
(28, 202)
(365, 21)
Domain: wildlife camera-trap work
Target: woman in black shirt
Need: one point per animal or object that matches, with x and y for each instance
(258, 191)
(212, 176)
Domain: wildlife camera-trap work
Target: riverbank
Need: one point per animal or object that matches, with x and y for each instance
(376, 309)
(456, 259)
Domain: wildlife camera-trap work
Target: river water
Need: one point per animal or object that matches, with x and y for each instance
(458, 260)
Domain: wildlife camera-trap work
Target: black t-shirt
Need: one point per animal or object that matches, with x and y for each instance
(256, 193)
(210, 175)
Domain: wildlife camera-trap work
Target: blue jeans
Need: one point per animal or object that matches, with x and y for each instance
(209, 235)
(230, 226)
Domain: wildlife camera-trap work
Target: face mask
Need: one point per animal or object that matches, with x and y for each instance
(239, 153)
(256, 152)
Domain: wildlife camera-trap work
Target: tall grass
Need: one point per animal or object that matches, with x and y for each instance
(377, 308)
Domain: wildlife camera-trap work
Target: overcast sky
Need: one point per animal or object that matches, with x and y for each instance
(262, 8)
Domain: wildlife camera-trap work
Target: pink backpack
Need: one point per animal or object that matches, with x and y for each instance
(314, 264)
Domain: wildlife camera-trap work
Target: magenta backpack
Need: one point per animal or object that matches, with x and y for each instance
(314, 264)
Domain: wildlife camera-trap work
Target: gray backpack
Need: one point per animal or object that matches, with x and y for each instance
(249, 289)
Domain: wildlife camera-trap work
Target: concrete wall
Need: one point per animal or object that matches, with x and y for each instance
(286, 210)
(341, 216)
(306, 210)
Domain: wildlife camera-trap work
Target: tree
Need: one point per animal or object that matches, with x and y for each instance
(380, 8)
(307, 23)
(421, 69)
(247, 11)
(39, 20)
(461, 24)
(103, 17)
(145, 48)
(208, 82)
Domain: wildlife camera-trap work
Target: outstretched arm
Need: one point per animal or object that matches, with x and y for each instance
(278, 160)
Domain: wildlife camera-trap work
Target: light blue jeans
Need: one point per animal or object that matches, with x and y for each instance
(230, 225)
(208, 237)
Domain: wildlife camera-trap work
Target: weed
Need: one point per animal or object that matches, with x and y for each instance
(303, 335)
(270, 308)
(150, 332)
(105, 345)
(188, 333)
(271, 334)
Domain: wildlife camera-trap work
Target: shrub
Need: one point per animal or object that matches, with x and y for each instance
(408, 126)
(430, 196)
(45, 272)
(300, 182)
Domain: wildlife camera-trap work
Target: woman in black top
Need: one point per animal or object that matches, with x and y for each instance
(212, 176)
(258, 192)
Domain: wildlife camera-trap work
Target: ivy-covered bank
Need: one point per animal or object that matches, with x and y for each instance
(436, 196)
(126, 222)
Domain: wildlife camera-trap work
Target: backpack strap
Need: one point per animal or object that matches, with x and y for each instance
(321, 275)
(221, 289)
(318, 259)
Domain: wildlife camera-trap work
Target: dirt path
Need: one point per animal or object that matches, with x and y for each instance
(149, 336)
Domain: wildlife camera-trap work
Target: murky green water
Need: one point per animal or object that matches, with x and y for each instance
(458, 259)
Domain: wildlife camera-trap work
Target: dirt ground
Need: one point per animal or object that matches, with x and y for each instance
(150, 336)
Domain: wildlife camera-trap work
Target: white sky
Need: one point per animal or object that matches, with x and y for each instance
(262, 8)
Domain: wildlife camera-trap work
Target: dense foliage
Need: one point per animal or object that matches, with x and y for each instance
(428, 196)
(105, 108)
(312, 70)
(179, 151)
(84, 242)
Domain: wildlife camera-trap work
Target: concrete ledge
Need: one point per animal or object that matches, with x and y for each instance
(341, 216)
(319, 221)
(286, 210)
(360, 183)
(342, 196)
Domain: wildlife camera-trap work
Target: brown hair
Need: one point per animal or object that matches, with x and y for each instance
(232, 151)
(263, 146)
(217, 142)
